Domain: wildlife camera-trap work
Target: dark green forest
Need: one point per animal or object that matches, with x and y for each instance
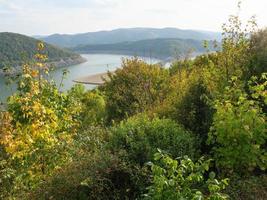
(15, 49)
(171, 48)
(194, 131)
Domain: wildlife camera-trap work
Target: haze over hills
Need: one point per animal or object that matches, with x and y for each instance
(166, 48)
(15, 49)
(129, 35)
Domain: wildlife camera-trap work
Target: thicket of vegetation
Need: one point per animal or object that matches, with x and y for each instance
(194, 131)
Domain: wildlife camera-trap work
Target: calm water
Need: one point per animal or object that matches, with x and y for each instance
(96, 63)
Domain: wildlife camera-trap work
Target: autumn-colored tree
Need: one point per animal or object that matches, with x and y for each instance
(38, 125)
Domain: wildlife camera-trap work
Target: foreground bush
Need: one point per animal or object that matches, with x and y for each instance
(93, 106)
(187, 104)
(238, 134)
(183, 179)
(248, 188)
(99, 176)
(134, 88)
(140, 137)
(94, 173)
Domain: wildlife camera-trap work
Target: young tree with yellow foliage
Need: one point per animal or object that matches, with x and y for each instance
(38, 125)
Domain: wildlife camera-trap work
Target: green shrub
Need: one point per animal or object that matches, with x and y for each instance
(134, 88)
(94, 173)
(187, 103)
(258, 50)
(93, 111)
(181, 65)
(99, 176)
(248, 188)
(140, 137)
(238, 134)
(183, 179)
(7, 176)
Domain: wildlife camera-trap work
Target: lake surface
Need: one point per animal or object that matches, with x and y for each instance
(96, 63)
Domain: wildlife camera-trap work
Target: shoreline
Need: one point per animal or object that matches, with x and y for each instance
(63, 62)
(94, 79)
(125, 53)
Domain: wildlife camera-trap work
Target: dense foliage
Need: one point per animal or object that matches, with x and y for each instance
(140, 137)
(93, 105)
(186, 102)
(184, 179)
(36, 128)
(238, 133)
(134, 88)
(100, 144)
(258, 51)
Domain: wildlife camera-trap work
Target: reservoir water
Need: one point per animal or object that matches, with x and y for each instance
(96, 63)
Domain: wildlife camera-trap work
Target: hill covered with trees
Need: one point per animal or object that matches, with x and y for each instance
(127, 35)
(158, 48)
(15, 49)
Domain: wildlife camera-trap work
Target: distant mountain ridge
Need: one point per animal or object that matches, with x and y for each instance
(165, 49)
(127, 35)
(15, 49)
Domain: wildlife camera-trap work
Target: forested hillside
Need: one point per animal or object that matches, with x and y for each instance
(131, 34)
(16, 49)
(157, 48)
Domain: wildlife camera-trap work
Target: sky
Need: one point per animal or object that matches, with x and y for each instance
(44, 17)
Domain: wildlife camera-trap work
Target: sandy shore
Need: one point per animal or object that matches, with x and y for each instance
(95, 79)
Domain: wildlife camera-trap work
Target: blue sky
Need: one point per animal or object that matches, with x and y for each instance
(42, 17)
